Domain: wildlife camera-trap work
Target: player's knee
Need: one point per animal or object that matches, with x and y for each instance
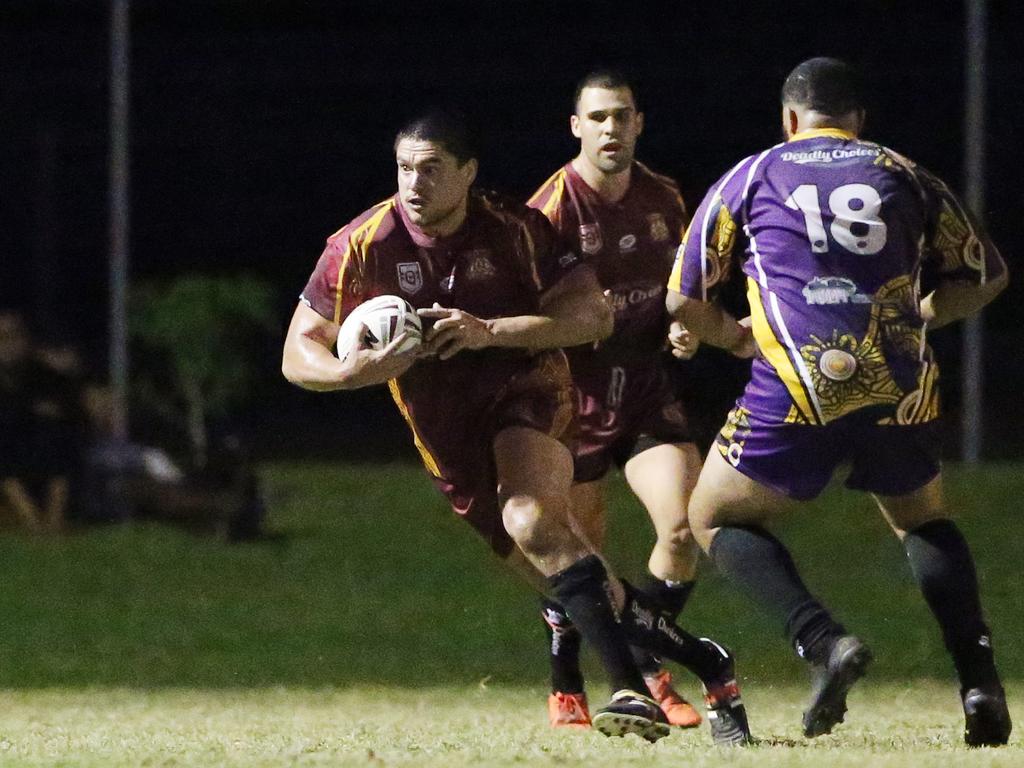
(533, 522)
(702, 524)
(523, 519)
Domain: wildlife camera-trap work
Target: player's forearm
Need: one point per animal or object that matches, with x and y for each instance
(710, 322)
(312, 366)
(952, 301)
(567, 322)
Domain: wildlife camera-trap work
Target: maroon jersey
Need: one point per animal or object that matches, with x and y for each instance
(624, 398)
(498, 264)
(631, 245)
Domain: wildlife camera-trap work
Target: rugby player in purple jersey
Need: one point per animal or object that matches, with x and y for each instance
(626, 222)
(833, 235)
(488, 395)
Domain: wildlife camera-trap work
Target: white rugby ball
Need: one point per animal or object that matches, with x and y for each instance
(385, 318)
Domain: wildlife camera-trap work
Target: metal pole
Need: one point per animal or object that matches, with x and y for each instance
(972, 356)
(119, 214)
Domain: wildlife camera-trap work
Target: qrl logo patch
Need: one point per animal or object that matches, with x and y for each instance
(410, 278)
(590, 238)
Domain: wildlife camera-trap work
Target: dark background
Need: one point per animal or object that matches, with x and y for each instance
(259, 128)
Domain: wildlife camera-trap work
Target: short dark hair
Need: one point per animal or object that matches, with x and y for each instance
(605, 78)
(445, 126)
(829, 86)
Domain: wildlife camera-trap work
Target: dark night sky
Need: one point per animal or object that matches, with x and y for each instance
(261, 127)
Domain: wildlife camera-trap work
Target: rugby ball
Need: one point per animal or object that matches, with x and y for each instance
(385, 318)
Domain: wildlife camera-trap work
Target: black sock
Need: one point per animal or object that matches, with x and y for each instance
(583, 589)
(758, 563)
(650, 629)
(563, 648)
(671, 596)
(944, 570)
(646, 662)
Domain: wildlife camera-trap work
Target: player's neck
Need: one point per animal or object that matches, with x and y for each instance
(611, 187)
(449, 225)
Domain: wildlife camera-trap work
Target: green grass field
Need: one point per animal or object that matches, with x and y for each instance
(378, 631)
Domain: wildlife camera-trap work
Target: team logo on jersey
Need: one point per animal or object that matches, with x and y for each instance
(627, 243)
(590, 238)
(837, 364)
(480, 266)
(833, 290)
(659, 229)
(410, 278)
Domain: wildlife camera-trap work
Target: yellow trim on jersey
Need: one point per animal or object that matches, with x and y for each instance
(556, 195)
(675, 278)
(775, 353)
(369, 229)
(428, 460)
(545, 186)
(814, 133)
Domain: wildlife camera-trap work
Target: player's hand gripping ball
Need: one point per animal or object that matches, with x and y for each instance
(381, 320)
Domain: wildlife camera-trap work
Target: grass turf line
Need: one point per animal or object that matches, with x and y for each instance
(890, 726)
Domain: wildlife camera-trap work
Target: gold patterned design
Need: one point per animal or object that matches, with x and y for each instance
(849, 373)
(719, 249)
(794, 416)
(733, 435)
(956, 241)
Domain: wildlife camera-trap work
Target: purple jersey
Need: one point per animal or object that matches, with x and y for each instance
(833, 233)
(630, 244)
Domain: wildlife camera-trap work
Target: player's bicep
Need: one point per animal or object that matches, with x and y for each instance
(310, 327)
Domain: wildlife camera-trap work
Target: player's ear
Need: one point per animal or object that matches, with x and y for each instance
(790, 121)
(469, 169)
(574, 125)
(639, 123)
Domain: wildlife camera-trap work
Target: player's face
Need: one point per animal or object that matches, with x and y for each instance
(607, 124)
(432, 185)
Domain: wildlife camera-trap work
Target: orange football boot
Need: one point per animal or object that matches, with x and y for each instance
(678, 710)
(568, 709)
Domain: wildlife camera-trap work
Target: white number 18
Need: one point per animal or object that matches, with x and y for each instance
(855, 226)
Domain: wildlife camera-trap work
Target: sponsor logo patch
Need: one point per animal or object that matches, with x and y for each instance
(833, 290)
(566, 259)
(659, 229)
(410, 277)
(590, 238)
(627, 243)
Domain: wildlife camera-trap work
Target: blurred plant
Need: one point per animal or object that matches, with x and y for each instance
(207, 330)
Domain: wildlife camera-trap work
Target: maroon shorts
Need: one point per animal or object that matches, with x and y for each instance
(455, 435)
(621, 412)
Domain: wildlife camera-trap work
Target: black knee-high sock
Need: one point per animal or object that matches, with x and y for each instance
(583, 589)
(648, 628)
(670, 598)
(758, 563)
(563, 648)
(944, 570)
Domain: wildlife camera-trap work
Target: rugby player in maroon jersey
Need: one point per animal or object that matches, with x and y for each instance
(626, 222)
(832, 235)
(488, 395)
